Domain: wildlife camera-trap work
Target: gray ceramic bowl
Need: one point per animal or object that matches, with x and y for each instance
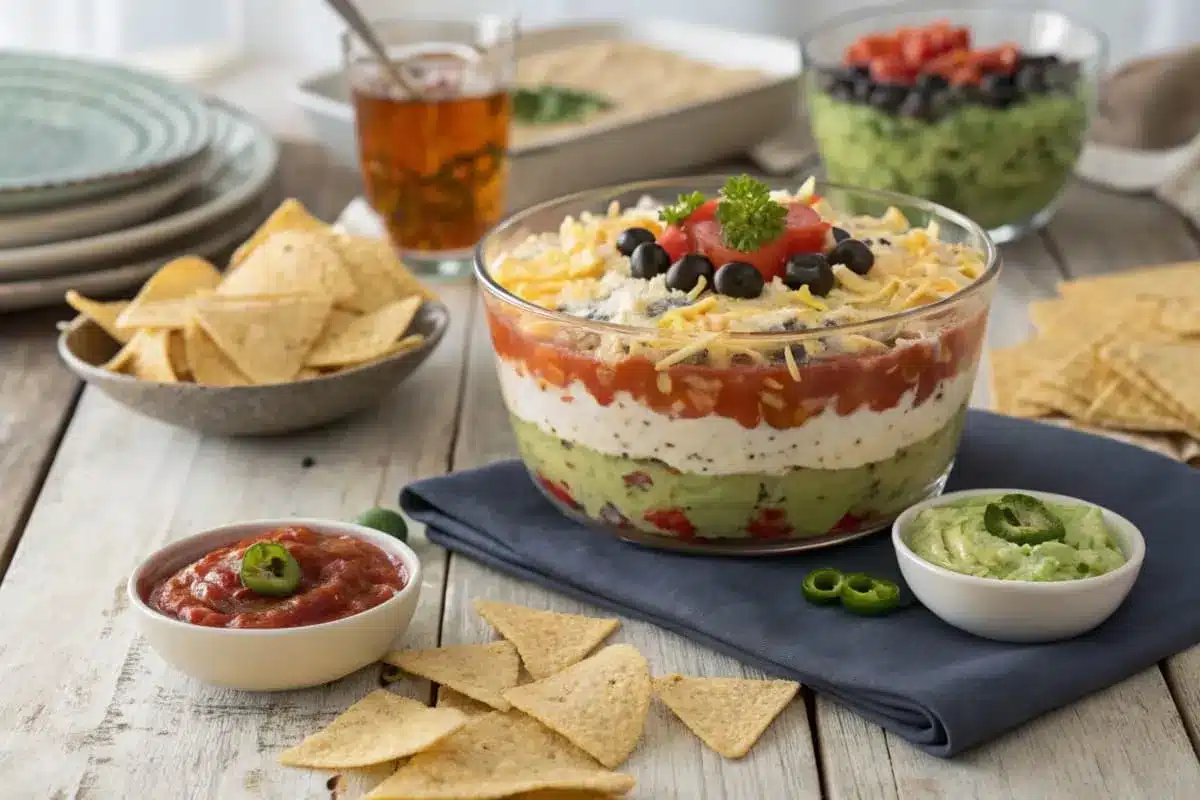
(248, 410)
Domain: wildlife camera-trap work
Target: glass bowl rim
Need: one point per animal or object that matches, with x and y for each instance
(843, 18)
(989, 275)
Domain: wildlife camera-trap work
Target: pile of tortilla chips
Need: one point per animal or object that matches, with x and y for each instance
(299, 300)
(1115, 354)
(561, 734)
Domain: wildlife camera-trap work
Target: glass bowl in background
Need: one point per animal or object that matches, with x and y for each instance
(1000, 151)
(736, 443)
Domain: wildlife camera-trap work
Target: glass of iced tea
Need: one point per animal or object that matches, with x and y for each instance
(433, 140)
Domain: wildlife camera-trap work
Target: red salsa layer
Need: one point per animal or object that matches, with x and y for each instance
(341, 576)
(751, 394)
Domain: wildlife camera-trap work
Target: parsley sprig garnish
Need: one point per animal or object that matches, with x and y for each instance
(748, 215)
(678, 212)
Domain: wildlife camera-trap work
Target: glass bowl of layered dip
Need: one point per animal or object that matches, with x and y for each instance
(983, 110)
(725, 365)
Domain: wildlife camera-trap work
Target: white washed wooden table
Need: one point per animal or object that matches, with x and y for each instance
(87, 488)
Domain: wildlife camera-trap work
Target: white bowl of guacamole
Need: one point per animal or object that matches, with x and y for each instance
(1054, 577)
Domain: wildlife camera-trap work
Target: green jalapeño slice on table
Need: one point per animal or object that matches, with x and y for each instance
(1016, 537)
(268, 568)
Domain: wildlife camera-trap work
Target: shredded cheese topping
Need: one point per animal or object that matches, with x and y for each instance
(578, 271)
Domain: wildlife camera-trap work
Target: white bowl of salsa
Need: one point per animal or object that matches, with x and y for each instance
(353, 595)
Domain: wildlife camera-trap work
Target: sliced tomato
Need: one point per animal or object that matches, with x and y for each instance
(706, 211)
(767, 259)
(805, 233)
(675, 242)
(805, 230)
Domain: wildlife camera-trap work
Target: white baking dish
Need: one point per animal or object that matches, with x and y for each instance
(672, 141)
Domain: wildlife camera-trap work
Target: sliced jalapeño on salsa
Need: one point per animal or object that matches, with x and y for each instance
(1021, 519)
(269, 569)
(823, 586)
(866, 595)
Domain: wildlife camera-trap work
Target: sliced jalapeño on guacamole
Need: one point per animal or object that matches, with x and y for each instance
(867, 595)
(269, 569)
(1021, 519)
(823, 586)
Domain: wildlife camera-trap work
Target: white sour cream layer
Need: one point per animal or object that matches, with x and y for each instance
(717, 445)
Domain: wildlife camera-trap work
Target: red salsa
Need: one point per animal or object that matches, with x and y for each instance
(340, 576)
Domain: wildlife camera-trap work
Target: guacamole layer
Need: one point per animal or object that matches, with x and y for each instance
(649, 496)
(954, 536)
(996, 165)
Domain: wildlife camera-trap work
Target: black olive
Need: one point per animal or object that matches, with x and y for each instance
(998, 89)
(887, 98)
(648, 260)
(854, 254)
(630, 238)
(685, 273)
(840, 234)
(1031, 78)
(862, 86)
(811, 270)
(930, 82)
(916, 106)
(739, 279)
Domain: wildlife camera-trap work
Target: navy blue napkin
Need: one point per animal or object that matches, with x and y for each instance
(939, 688)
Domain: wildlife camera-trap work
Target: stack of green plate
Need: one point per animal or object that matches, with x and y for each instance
(106, 173)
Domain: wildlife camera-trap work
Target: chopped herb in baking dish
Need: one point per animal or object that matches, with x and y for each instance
(548, 105)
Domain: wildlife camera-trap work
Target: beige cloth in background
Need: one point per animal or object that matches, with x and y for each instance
(1151, 104)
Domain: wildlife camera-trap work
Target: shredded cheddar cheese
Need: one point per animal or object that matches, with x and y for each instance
(578, 271)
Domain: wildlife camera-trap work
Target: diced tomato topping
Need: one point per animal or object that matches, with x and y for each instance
(558, 491)
(899, 57)
(805, 233)
(771, 523)
(847, 523)
(672, 520)
(675, 242)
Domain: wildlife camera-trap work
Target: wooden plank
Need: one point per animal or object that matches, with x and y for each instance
(36, 397)
(96, 713)
(670, 762)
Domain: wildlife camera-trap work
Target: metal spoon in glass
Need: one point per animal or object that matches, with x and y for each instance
(358, 23)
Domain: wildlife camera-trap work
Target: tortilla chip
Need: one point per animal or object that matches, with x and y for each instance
(547, 641)
(103, 314)
(306, 373)
(1171, 370)
(290, 216)
(498, 755)
(1166, 280)
(407, 283)
(370, 263)
(1160, 443)
(599, 704)
(480, 671)
(728, 714)
(1181, 315)
(381, 727)
(267, 340)
(146, 357)
(176, 280)
(207, 363)
(292, 262)
(1010, 368)
(1124, 359)
(448, 698)
(366, 338)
